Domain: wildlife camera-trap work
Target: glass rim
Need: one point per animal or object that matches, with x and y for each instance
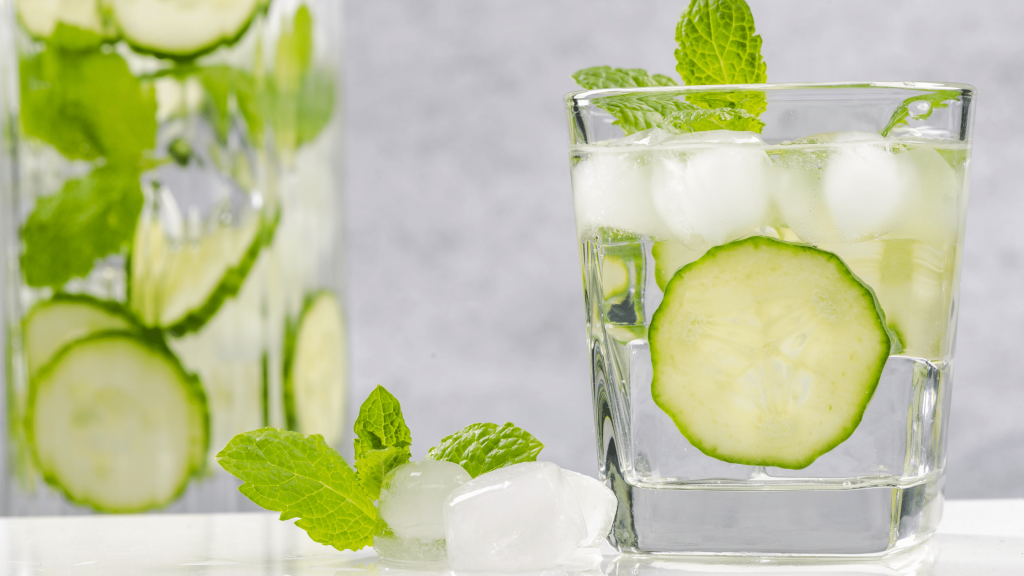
(580, 96)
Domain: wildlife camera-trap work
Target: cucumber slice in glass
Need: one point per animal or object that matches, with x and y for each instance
(315, 367)
(182, 29)
(40, 17)
(179, 288)
(766, 353)
(116, 423)
(55, 323)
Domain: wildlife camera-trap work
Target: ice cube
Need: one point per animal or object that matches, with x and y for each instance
(521, 517)
(611, 189)
(867, 188)
(411, 504)
(713, 195)
(597, 503)
(932, 214)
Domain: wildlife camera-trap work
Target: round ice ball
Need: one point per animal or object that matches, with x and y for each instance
(714, 195)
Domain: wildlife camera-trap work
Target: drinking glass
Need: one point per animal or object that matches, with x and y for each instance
(727, 418)
(172, 232)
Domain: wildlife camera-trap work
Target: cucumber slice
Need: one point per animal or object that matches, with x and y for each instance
(669, 256)
(766, 353)
(180, 288)
(40, 17)
(116, 423)
(315, 382)
(182, 29)
(55, 323)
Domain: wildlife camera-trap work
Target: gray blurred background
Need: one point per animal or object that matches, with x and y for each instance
(466, 299)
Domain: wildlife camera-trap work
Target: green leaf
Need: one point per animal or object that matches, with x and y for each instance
(935, 100)
(638, 111)
(87, 105)
(380, 424)
(300, 97)
(701, 119)
(717, 44)
(224, 85)
(91, 217)
(73, 38)
(608, 77)
(480, 448)
(302, 477)
(373, 465)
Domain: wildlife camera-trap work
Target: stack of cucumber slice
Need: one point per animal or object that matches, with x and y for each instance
(105, 396)
(114, 414)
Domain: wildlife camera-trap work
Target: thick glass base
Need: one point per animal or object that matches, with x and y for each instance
(865, 521)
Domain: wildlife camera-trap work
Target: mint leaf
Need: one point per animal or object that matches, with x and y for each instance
(223, 85)
(717, 44)
(701, 119)
(480, 448)
(299, 96)
(87, 105)
(91, 217)
(373, 465)
(935, 100)
(639, 111)
(608, 77)
(380, 424)
(302, 477)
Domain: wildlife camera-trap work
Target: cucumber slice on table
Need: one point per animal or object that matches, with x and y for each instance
(315, 380)
(55, 323)
(182, 28)
(40, 17)
(766, 353)
(179, 288)
(117, 424)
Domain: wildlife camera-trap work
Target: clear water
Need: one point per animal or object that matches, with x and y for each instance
(880, 489)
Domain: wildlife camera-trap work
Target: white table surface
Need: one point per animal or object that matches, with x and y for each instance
(984, 537)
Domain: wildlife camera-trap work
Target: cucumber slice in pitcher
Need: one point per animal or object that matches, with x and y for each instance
(179, 288)
(52, 324)
(766, 353)
(315, 383)
(182, 29)
(116, 423)
(40, 17)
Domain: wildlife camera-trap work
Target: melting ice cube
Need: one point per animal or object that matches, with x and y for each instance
(521, 517)
(716, 194)
(411, 504)
(612, 189)
(597, 503)
(867, 188)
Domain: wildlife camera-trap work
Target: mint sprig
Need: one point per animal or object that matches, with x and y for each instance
(302, 477)
(717, 45)
(480, 448)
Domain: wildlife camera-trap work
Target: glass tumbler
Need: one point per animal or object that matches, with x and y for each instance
(771, 309)
(173, 251)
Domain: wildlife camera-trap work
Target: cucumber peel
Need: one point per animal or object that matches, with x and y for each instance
(182, 29)
(180, 289)
(116, 423)
(766, 353)
(53, 324)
